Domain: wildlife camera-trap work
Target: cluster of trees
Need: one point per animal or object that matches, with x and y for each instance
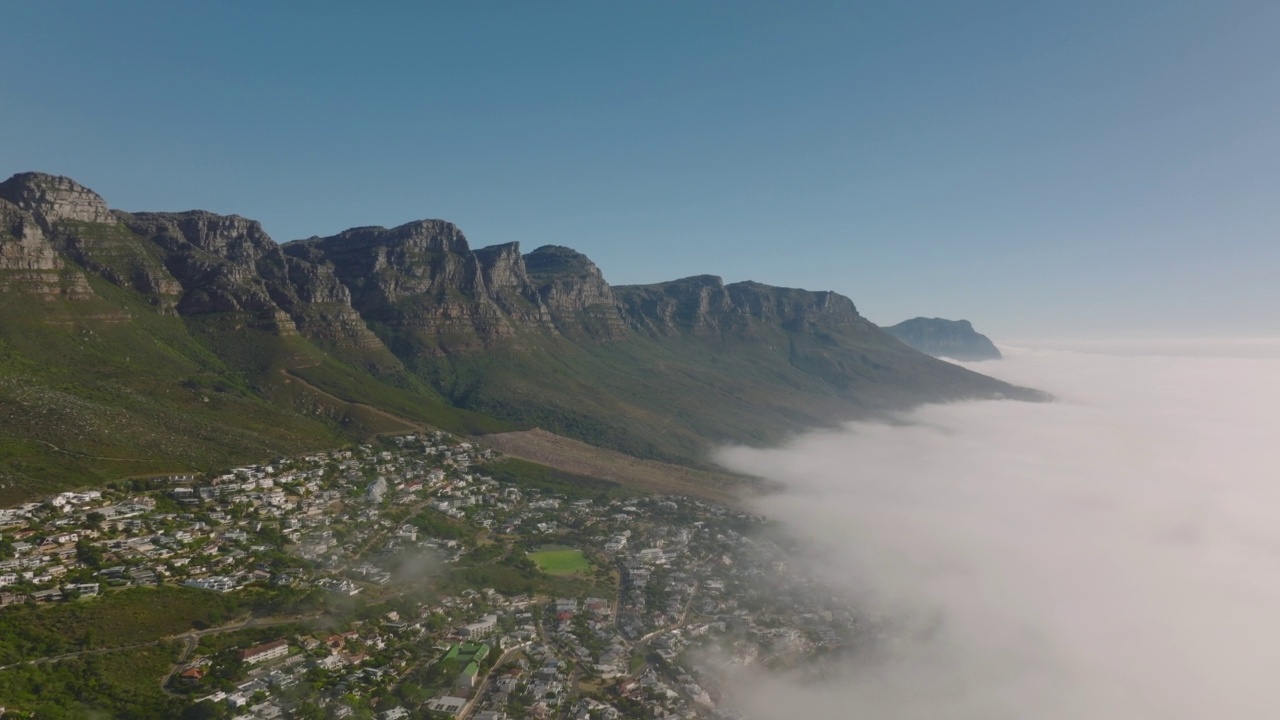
(439, 525)
(532, 476)
(117, 685)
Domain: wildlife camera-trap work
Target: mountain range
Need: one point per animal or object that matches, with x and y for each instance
(134, 343)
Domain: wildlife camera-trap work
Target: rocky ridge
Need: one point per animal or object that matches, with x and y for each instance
(420, 281)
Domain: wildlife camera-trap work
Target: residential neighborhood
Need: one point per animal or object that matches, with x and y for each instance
(425, 579)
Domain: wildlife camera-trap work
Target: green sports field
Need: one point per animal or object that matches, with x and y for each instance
(560, 561)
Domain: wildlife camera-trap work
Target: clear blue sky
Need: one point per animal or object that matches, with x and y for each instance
(1043, 169)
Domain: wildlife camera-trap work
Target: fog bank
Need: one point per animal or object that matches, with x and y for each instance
(1114, 554)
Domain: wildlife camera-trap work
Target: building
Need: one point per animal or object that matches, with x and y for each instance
(217, 583)
(447, 704)
(467, 653)
(467, 678)
(81, 589)
(652, 556)
(483, 628)
(469, 656)
(265, 652)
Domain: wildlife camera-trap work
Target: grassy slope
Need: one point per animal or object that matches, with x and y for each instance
(109, 387)
(670, 398)
(414, 403)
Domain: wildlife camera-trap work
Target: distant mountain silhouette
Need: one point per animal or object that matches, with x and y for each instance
(945, 338)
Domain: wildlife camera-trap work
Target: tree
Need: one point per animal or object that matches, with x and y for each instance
(308, 711)
(88, 553)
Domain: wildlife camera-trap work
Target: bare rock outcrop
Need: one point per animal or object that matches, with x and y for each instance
(53, 198)
(30, 263)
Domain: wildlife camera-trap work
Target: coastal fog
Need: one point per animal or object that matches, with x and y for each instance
(1113, 554)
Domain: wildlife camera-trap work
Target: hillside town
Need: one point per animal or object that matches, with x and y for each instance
(435, 582)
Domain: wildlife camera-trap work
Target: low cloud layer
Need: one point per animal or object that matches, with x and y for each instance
(1115, 554)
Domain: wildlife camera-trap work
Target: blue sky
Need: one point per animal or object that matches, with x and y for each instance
(1044, 169)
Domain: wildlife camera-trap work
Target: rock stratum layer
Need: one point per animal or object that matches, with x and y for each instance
(201, 331)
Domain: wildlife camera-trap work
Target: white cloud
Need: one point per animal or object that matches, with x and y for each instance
(1115, 554)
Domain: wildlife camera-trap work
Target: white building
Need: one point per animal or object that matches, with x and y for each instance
(265, 652)
(447, 704)
(483, 628)
(652, 555)
(217, 583)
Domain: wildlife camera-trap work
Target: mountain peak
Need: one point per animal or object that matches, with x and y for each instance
(557, 261)
(947, 338)
(418, 235)
(52, 198)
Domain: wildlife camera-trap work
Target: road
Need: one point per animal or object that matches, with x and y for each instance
(81, 653)
(488, 680)
(191, 638)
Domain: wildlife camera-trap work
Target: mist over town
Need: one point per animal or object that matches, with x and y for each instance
(1111, 554)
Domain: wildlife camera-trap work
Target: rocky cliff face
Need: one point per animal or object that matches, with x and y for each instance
(704, 304)
(23, 245)
(323, 310)
(78, 225)
(419, 287)
(191, 263)
(224, 264)
(422, 282)
(945, 338)
(53, 198)
(574, 292)
(29, 260)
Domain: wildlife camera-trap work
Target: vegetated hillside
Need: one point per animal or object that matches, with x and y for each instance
(134, 343)
(127, 354)
(945, 338)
